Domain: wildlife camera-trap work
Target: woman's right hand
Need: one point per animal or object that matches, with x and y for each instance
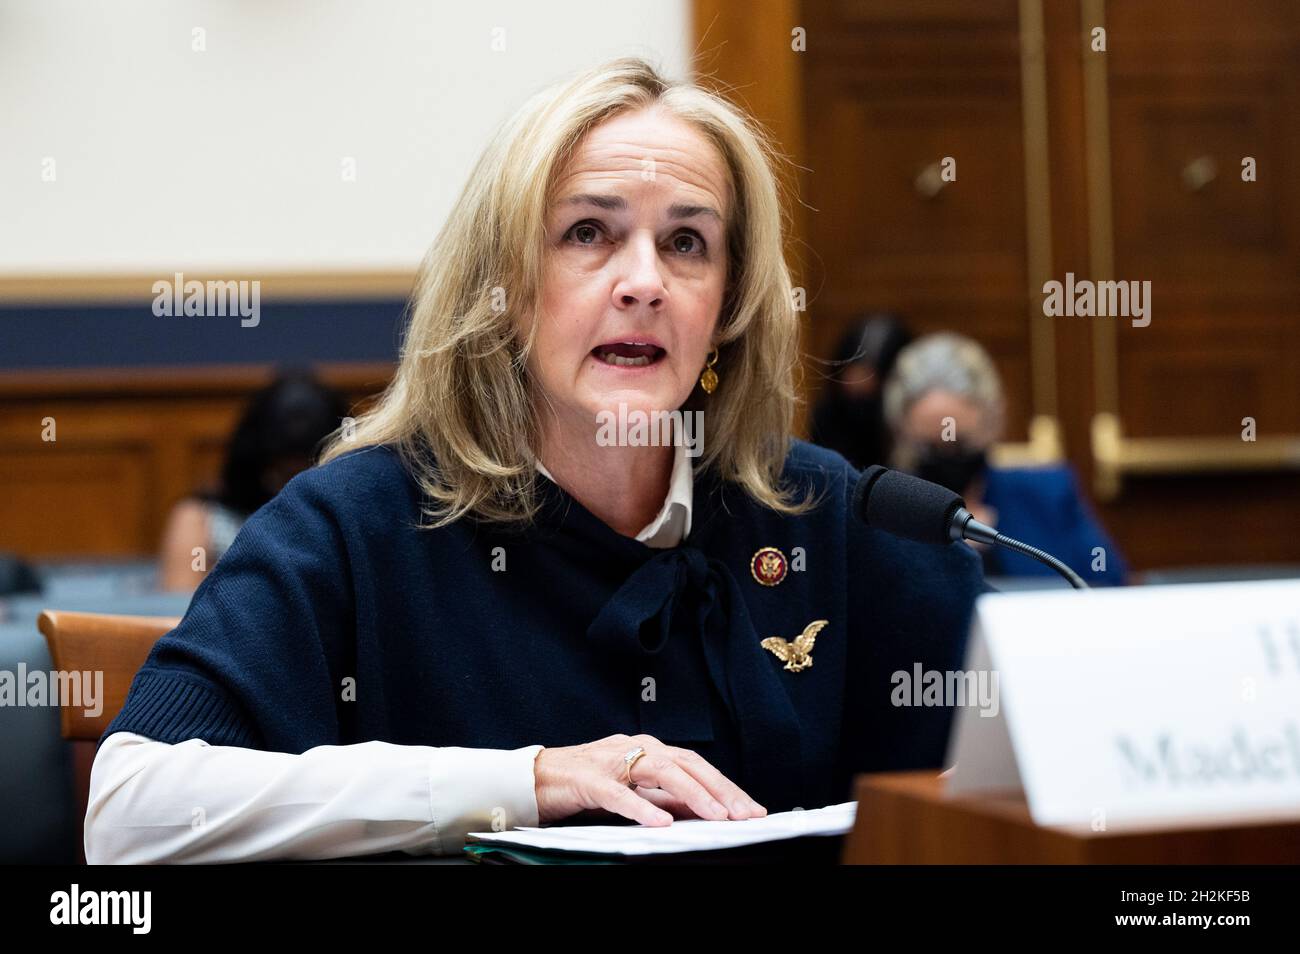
(670, 781)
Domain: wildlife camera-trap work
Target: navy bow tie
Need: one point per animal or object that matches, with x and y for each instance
(677, 607)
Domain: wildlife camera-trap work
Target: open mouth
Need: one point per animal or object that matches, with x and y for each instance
(628, 354)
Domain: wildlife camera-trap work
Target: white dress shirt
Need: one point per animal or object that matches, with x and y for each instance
(154, 802)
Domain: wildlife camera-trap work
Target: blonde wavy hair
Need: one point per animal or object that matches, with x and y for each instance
(461, 408)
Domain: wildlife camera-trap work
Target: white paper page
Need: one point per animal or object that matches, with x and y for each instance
(692, 834)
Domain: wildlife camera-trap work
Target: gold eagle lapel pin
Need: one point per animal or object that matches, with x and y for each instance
(796, 655)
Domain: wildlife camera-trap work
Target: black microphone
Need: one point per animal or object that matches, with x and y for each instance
(927, 512)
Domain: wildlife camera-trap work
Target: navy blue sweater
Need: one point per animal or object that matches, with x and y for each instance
(333, 620)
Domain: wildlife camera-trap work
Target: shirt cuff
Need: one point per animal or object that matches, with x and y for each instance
(480, 790)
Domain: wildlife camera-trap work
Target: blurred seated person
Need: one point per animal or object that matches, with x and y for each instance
(276, 438)
(17, 576)
(849, 417)
(944, 405)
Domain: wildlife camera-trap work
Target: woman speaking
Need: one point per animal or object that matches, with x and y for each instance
(487, 607)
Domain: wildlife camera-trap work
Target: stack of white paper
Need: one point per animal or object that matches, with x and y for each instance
(693, 834)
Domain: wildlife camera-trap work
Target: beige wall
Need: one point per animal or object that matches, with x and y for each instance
(231, 158)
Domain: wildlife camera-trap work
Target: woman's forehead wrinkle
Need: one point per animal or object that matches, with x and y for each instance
(691, 170)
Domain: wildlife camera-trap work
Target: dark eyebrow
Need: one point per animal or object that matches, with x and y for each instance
(614, 203)
(691, 211)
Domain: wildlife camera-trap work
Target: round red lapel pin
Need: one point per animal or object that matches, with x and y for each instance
(768, 566)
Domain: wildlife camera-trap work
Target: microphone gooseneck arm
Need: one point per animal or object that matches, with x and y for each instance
(965, 527)
(926, 512)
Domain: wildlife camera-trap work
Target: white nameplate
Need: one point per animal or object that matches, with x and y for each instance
(1151, 706)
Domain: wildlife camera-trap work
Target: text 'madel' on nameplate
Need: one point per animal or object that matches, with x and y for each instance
(1149, 706)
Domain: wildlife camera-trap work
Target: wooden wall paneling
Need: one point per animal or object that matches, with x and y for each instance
(1189, 89)
(893, 90)
(79, 500)
(1178, 81)
(1066, 132)
(748, 51)
(129, 445)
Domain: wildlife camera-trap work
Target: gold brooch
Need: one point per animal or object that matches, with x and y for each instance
(798, 654)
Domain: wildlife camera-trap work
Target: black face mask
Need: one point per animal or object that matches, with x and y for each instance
(955, 467)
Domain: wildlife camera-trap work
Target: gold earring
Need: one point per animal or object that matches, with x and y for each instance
(709, 378)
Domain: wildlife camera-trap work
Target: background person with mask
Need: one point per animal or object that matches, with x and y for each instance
(943, 402)
(849, 417)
